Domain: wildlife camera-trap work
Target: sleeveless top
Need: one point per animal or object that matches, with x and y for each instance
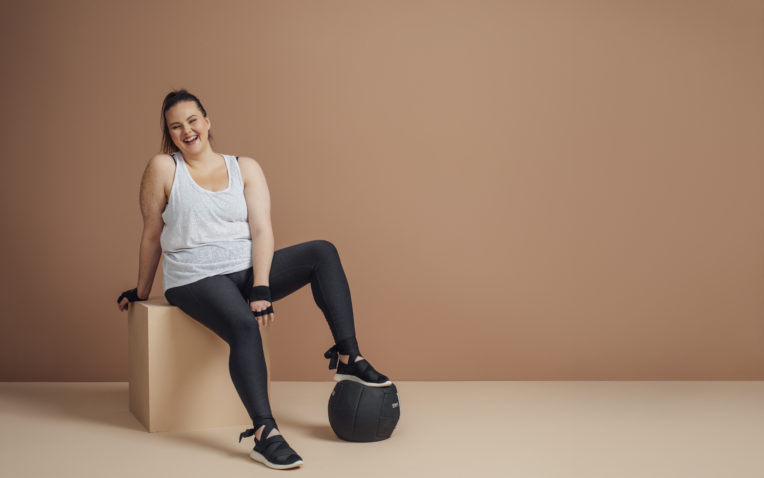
(205, 232)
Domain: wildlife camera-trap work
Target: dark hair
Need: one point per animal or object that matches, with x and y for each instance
(174, 97)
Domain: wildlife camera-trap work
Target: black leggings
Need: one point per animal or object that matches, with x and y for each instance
(220, 304)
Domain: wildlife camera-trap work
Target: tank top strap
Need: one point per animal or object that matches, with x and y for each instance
(234, 170)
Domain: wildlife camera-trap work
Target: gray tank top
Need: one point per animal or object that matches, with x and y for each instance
(205, 232)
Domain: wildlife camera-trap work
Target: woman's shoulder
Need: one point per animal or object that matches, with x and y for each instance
(161, 158)
(245, 159)
(161, 163)
(250, 169)
(247, 164)
(161, 168)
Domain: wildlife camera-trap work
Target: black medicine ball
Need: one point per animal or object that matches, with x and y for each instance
(361, 413)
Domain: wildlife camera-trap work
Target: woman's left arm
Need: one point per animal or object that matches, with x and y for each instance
(258, 201)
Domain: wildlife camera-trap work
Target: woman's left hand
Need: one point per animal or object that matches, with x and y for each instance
(266, 309)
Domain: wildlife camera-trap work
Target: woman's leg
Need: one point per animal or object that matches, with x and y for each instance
(217, 303)
(318, 263)
(220, 303)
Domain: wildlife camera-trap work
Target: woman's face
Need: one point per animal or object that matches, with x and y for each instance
(188, 127)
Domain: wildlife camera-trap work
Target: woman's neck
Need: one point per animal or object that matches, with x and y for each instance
(201, 158)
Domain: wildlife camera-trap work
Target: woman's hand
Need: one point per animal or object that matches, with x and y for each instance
(263, 310)
(127, 297)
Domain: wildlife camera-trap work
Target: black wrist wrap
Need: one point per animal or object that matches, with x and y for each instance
(260, 292)
(131, 295)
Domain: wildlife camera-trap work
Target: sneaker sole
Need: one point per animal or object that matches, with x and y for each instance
(338, 377)
(257, 456)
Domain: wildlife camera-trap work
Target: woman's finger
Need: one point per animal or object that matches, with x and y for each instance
(261, 313)
(261, 318)
(267, 318)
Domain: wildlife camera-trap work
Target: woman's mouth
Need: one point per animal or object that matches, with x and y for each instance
(191, 140)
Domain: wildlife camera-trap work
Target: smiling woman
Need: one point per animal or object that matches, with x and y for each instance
(170, 131)
(208, 214)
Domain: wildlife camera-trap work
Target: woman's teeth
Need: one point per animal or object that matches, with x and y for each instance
(192, 140)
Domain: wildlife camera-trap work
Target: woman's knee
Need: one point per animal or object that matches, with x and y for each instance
(245, 328)
(324, 248)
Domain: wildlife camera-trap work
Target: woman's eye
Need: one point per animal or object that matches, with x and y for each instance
(193, 120)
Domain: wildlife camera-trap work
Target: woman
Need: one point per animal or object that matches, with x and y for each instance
(209, 215)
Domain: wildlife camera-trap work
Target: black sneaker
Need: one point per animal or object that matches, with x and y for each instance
(361, 371)
(274, 451)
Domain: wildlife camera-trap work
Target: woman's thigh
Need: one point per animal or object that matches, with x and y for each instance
(221, 302)
(217, 303)
(291, 268)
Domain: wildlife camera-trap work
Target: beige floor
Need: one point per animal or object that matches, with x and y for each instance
(523, 429)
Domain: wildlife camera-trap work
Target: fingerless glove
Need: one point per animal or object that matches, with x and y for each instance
(131, 295)
(261, 292)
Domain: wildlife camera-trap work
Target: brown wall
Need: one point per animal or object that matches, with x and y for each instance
(518, 190)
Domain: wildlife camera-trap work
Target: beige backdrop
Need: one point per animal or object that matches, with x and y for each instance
(518, 189)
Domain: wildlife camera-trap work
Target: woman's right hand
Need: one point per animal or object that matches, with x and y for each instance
(263, 312)
(127, 297)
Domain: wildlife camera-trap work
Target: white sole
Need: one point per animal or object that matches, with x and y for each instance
(338, 377)
(257, 456)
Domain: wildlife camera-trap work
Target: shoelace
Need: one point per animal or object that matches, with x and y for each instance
(246, 433)
(333, 355)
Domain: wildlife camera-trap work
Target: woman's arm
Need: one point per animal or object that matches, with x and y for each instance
(258, 201)
(152, 201)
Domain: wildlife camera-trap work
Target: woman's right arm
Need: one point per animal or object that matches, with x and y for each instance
(159, 170)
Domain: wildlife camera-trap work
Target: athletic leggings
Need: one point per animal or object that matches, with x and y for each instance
(221, 304)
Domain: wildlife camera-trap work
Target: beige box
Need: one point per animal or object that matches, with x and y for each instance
(178, 371)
